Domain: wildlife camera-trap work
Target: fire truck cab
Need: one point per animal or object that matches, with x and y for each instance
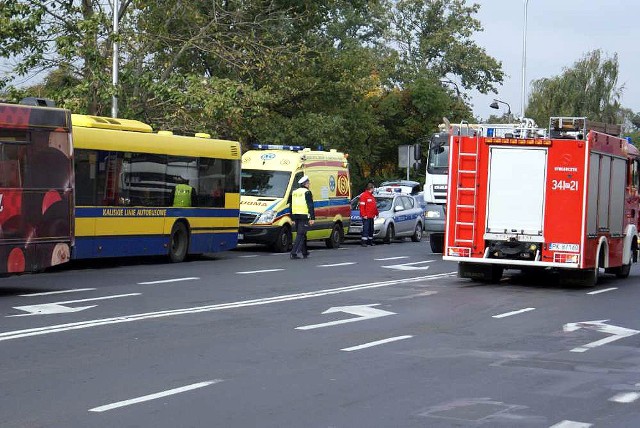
(568, 201)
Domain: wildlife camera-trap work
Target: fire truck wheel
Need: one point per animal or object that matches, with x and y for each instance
(391, 234)
(437, 243)
(624, 270)
(179, 242)
(591, 275)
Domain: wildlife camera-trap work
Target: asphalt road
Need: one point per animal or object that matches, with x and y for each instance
(386, 336)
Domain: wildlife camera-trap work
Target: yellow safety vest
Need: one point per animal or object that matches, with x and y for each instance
(182, 197)
(299, 202)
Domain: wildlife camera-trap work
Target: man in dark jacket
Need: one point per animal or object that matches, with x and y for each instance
(303, 214)
(368, 212)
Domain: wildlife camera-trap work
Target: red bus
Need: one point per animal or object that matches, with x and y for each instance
(36, 187)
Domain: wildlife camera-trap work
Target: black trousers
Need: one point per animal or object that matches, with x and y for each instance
(300, 244)
(367, 230)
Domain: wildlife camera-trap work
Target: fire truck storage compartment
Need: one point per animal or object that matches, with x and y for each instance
(516, 190)
(606, 194)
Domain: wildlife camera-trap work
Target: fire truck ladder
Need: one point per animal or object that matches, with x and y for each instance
(466, 191)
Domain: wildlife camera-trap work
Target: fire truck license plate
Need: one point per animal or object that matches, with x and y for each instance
(574, 248)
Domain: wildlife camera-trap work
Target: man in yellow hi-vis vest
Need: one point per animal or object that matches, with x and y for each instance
(304, 215)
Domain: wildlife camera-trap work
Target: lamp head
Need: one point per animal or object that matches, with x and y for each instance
(494, 104)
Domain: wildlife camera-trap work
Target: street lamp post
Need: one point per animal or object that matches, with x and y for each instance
(524, 61)
(114, 99)
(495, 105)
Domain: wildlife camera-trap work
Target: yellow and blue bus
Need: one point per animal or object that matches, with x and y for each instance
(127, 179)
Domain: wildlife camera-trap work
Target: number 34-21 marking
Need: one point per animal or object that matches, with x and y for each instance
(564, 185)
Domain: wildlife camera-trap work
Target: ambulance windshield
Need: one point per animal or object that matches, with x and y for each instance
(270, 184)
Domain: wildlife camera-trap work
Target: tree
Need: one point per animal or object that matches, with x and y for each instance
(589, 88)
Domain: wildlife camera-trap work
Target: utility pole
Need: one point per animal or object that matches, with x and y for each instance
(114, 100)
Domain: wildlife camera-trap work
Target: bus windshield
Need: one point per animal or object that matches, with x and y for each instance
(438, 156)
(270, 184)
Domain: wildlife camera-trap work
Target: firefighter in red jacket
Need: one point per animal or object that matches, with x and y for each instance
(368, 212)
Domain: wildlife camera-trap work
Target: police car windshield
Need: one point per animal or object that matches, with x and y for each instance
(270, 184)
(384, 204)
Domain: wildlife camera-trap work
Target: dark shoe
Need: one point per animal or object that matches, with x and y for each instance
(294, 256)
(371, 244)
(304, 256)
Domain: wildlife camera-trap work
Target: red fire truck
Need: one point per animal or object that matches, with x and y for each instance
(568, 201)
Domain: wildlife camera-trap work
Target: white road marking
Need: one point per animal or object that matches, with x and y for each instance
(571, 424)
(338, 264)
(248, 256)
(602, 291)
(154, 396)
(258, 271)
(363, 312)
(615, 331)
(59, 308)
(165, 281)
(411, 296)
(410, 266)
(508, 314)
(625, 397)
(376, 343)
(48, 293)
(392, 258)
(58, 328)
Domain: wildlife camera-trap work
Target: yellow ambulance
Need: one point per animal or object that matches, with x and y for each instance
(271, 173)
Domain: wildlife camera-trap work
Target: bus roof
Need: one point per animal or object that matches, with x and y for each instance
(28, 116)
(134, 136)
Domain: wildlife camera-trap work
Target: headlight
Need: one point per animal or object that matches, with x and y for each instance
(266, 217)
(433, 214)
(379, 221)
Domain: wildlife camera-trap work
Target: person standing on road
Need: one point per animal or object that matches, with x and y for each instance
(303, 214)
(368, 212)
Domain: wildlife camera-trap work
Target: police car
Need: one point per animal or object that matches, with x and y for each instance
(399, 216)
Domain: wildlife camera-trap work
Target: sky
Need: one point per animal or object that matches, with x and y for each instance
(559, 33)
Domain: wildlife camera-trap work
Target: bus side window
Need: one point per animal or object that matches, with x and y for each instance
(10, 166)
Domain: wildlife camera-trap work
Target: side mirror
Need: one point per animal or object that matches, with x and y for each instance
(417, 152)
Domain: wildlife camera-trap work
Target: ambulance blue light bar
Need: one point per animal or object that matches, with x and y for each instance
(277, 147)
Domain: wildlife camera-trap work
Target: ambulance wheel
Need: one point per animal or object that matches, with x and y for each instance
(335, 239)
(417, 234)
(437, 243)
(391, 234)
(179, 242)
(283, 241)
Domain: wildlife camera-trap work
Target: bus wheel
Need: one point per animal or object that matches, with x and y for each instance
(283, 240)
(391, 234)
(179, 242)
(335, 239)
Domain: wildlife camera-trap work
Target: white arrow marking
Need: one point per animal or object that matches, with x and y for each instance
(599, 325)
(570, 424)
(363, 312)
(410, 266)
(154, 396)
(625, 397)
(59, 308)
(393, 258)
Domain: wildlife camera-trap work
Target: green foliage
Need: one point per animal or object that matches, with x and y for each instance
(589, 88)
(361, 76)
